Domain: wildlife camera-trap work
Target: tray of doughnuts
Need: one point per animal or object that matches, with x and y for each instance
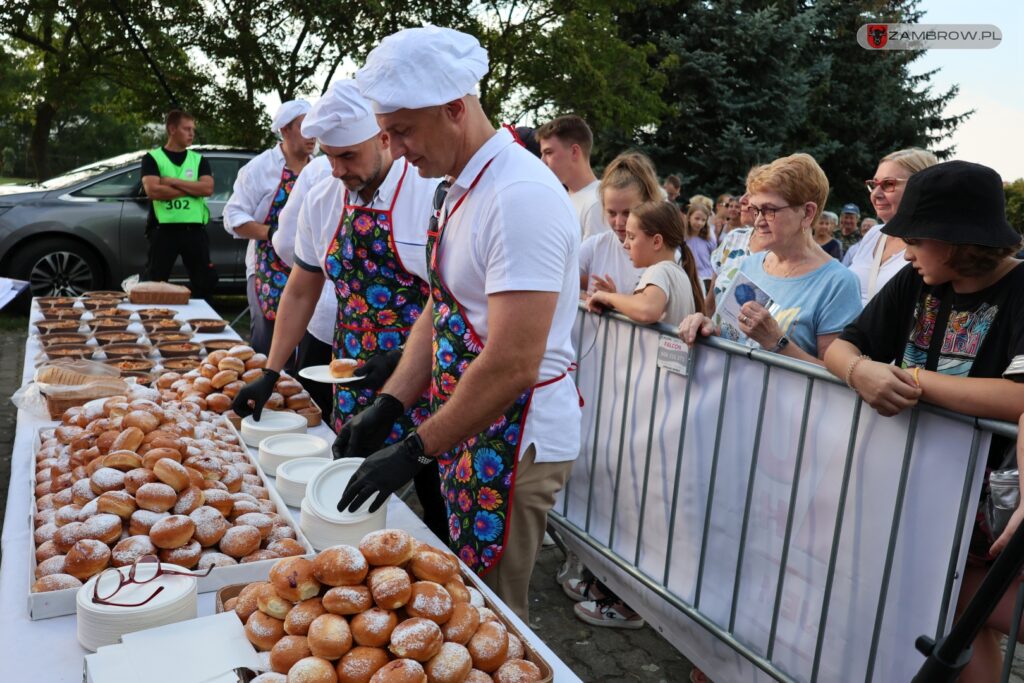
(393, 609)
(140, 477)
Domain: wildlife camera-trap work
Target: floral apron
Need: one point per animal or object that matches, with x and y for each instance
(478, 475)
(271, 271)
(378, 302)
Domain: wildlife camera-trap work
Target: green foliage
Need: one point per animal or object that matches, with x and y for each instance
(1015, 203)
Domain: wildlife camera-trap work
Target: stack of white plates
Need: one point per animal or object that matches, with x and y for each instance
(279, 449)
(320, 520)
(293, 476)
(101, 624)
(271, 423)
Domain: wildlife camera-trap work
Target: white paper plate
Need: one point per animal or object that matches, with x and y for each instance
(325, 488)
(322, 373)
(292, 477)
(280, 448)
(271, 423)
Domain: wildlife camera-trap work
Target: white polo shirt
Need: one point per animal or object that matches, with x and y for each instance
(251, 197)
(604, 255)
(321, 212)
(517, 231)
(325, 315)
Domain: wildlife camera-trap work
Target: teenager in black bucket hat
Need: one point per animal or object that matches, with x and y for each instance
(944, 330)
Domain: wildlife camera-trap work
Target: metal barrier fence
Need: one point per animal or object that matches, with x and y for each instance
(755, 503)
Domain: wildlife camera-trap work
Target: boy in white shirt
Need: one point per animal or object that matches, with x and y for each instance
(565, 145)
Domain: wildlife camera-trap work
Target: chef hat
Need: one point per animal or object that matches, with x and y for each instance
(342, 117)
(288, 112)
(422, 67)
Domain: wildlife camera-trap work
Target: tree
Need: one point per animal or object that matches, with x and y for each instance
(1015, 203)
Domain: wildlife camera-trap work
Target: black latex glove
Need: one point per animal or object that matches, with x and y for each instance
(375, 372)
(366, 432)
(252, 397)
(383, 473)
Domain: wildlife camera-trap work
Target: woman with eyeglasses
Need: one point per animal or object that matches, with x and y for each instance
(879, 257)
(814, 297)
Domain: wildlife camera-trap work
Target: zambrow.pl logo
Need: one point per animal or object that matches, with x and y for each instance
(929, 36)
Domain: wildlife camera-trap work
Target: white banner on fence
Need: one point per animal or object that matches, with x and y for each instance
(634, 406)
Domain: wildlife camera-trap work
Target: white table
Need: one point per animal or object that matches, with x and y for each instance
(47, 651)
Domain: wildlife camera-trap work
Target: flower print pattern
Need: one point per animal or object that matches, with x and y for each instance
(488, 498)
(271, 271)
(487, 464)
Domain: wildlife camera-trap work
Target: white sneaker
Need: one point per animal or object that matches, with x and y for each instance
(572, 568)
(610, 613)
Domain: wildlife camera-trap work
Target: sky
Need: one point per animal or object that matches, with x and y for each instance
(991, 82)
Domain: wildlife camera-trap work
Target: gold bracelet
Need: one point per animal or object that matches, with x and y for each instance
(850, 368)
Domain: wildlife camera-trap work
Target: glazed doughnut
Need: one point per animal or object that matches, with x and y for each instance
(219, 500)
(516, 649)
(416, 638)
(390, 587)
(287, 651)
(143, 520)
(208, 370)
(172, 532)
(87, 557)
(517, 671)
(348, 600)
(45, 551)
(373, 627)
(387, 547)
(68, 535)
(312, 670)
(329, 636)
(186, 556)
(246, 602)
(145, 421)
(120, 503)
(156, 497)
(275, 402)
(220, 402)
(65, 515)
(242, 352)
(431, 601)
(251, 375)
(223, 378)
(103, 527)
(272, 604)
(131, 549)
(256, 361)
(52, 565)
(341, 565)
(286, 547)
(489, 646)
(55, 582)
(137, 478)
(263, 631)
(451, 664)
(293, 578)
(239, 541)
(297, 622)
(428, 565)
(400, 671)
(360, 663)
(171, 473)
(256, 519)
(128, 440)
(210, 525)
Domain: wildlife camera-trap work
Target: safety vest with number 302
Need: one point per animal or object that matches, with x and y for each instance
(180, 209)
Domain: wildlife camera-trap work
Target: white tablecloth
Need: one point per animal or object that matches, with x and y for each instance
(47, 651)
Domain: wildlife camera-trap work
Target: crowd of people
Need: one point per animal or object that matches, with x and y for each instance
(416, 204)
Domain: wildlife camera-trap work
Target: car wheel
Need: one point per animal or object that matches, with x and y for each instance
(59, 267)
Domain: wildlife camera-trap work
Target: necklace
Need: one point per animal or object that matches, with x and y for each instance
(789, 272)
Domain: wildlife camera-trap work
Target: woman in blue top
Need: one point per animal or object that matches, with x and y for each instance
(814, 296)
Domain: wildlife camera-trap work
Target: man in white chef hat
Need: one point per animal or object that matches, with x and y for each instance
(366, 235)
(495, 350)
(260, 192)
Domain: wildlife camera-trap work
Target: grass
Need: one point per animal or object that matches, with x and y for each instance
(14, 181)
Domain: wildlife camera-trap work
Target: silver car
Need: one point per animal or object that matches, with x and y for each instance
(86, 229)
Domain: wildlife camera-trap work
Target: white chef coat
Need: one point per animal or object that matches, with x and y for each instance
(325, 315)
(588, 207)
(603, 255)
(517, 231)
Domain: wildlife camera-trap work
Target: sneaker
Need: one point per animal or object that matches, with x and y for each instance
(548, 541)
(609, 613)
(580, 590)
(572, 568)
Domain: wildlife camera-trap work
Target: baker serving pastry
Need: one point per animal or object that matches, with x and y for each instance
(496, 349)
(368, 239)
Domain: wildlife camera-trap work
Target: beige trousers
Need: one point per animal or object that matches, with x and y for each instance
(536, 485)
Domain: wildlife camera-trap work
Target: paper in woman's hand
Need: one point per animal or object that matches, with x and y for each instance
(741, 291)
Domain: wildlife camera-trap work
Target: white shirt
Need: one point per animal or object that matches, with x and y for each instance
(325, 315)
(604, 255)
(588, 207)
(671, 279)
(863, 263)
(251, 197)
(517, 231)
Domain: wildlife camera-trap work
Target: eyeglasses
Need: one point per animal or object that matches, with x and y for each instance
(888, 185)
(122, 581)
(435, 216)
(767, 211)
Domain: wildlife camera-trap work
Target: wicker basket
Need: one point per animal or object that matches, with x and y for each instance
(161, 293)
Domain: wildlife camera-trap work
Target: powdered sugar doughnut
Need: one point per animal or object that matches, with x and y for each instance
(373, 627)
(103, 527)
(489, 646)
(214, 559)
(341, 565)
(51, 565)
(130, 549)
(387, 547)
(360, 663)
(450, 665)
(390, 586)
(55, 582)
(210, 525)
(143, 520)
(517, 671)
(429, 601)
(87, 557)
(400, 671)
(312, 670)
(239, 541)
(348, 600)
(416, 638)
(186, 556)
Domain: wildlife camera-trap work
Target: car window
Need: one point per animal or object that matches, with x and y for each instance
(224, 171)
(120, 185)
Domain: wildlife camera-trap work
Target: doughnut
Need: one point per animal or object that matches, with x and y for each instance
(219, 402)
(172, 532)
(131, 549)
(329, 636)
(400, 671)
(517, 671)
(287, 651)
(68, 535)
(219, 500)
(156, 497)
(120, 503)
(247, 598)
(256, 361)
(373, 627)
(416, 638)
(45, 551)
(55, 582)
(288, 387)
(215, 559)
(478, 676)
(251, 375)
(158, 453)
(126, 461)
(451, 664)
(298, 401)
(486, 614)
(429, 601)
(263, 631)
(134, 479)
(144, 421)
(171, 473)
(275, 402)
(232, 363)
(46, 532)
(87, 557)
(143, 520)
(103, 527)
(293, 578)
(223, 378)
(298, 619)
(360, 663)
(428, 565)
(516, 649)
(52, 565)
(489, 646)
(390, 587)
(272, 604)
(81, 492)
(239, 541)
(286, 547)
(341, 565)
(349, 600)
(188, 500)
(258, 556)
(231, 477)
(128, 440)
(341, 367)
(88, 510)
(210, 525)
(66, 514)
(258, 520)
(312, 670)
(186, 556)
(387, 547)
(243, 352)
(457, 589)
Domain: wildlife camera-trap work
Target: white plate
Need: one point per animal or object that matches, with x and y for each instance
(322, 373)
(325, 488)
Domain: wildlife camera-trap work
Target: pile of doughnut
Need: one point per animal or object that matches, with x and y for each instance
(120, 478)
(393, 610)
(222, 374)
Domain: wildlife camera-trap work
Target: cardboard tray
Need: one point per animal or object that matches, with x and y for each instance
(60, 603)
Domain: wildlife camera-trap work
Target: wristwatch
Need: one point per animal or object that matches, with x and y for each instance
(780, 345)
(421, 457)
